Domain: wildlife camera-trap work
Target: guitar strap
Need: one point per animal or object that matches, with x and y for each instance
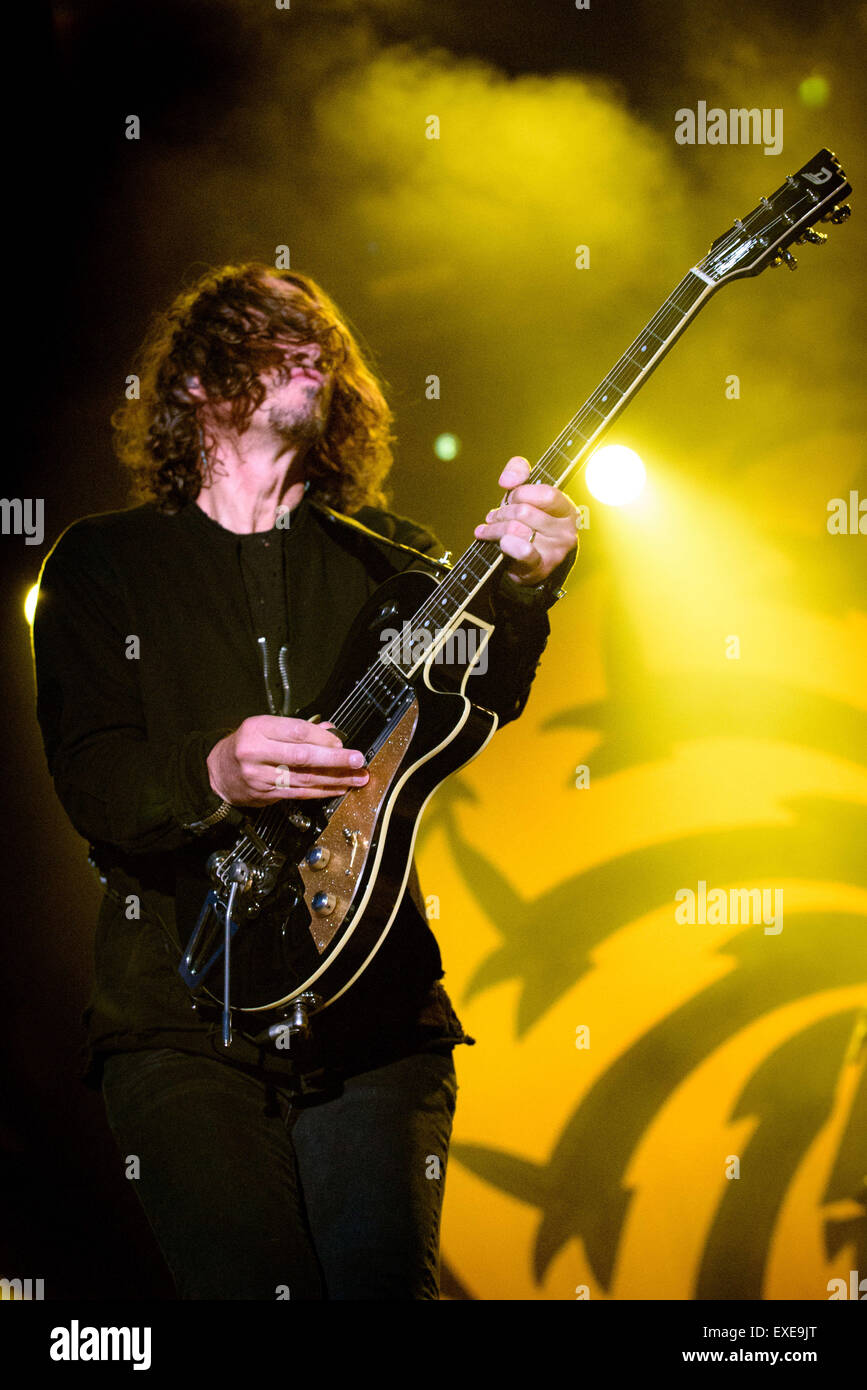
(391, 550)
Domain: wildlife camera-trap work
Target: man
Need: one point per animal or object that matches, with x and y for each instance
(172, 642)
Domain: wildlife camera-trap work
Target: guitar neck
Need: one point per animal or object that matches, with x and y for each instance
(569, 450)
(571, 447)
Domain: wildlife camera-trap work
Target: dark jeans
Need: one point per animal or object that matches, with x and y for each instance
(252, 1195)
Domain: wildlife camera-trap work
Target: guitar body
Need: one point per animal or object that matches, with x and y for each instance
(339, 888)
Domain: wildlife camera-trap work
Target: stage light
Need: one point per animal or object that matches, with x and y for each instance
(30, 603)
(814, 91)
(447, 446)
(615, 475)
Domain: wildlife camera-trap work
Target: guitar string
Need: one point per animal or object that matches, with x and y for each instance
(357, 699)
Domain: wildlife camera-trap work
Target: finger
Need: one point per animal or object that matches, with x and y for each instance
(304, 791)
(518, 549)
(308, 732)
(545, 497)
(288, 729)
(293, 780)
(516, 471)
(309, 755)
(533, 518)
(520, 530)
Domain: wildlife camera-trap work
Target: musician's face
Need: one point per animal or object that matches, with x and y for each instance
(298, 393)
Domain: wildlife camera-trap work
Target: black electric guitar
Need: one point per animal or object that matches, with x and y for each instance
(309, 892)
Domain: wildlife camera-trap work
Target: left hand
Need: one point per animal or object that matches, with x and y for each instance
(536, 528)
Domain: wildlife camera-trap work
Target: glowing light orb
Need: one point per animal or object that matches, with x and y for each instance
(30, 603)
(615, 475)
(447, 446)
(814, 91)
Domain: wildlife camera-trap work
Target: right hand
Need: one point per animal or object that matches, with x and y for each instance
(243, 767)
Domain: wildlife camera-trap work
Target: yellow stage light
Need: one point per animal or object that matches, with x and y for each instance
(814, 91)
(447, 446)
(615, 475)
(30, 603)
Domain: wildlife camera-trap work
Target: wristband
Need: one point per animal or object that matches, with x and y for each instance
(199, 826)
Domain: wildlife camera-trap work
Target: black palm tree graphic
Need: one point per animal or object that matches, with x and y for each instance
(548, 941)
(581, 1192)
(791, 1094)
(848, 1179)
(675, 709)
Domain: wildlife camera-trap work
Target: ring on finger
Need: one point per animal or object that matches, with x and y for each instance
(283, 776)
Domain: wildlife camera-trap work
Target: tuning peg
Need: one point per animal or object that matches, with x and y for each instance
(838, 214)
(817, 238)
(790, 260)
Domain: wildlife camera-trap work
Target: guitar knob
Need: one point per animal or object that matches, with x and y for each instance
(816, 238)
(296, 1018)
(790, 260)
(323, 903)
(838, 214)
(318, 857)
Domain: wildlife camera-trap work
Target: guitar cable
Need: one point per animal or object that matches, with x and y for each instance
(239, 875)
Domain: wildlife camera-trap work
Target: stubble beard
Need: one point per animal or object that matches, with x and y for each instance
(304, 423)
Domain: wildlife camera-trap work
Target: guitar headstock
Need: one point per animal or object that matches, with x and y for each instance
(784, 219)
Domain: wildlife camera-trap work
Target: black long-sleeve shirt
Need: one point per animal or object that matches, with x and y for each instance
(147, 653)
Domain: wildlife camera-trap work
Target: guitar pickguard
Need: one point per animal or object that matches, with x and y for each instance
(347, 840)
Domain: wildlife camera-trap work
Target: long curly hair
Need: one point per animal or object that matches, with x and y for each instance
(227, 329)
